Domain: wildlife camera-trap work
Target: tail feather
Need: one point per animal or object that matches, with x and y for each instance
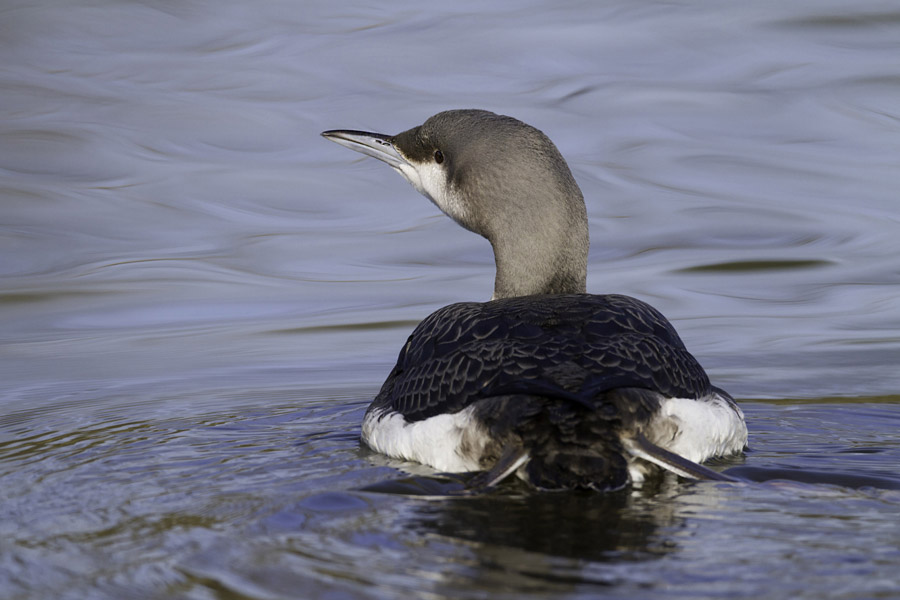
(562, 440)
(640, 447)
(554, 443)
(510, 461)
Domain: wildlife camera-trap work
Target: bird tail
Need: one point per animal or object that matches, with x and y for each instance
(556, 443)
(553, 443)
(639, 446)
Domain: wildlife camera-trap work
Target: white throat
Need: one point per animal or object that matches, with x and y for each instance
(430, 179)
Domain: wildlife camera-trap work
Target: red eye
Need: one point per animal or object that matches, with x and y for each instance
(438, 156)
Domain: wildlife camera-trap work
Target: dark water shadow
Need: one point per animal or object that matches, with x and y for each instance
(812, 476)
(633, 524)
(573, 524)
(443, 485)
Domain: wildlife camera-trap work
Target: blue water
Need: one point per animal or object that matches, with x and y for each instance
(199, 296)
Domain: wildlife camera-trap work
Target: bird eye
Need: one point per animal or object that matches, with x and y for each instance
(438, 156)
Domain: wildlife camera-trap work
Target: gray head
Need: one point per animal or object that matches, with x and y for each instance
(502, 179)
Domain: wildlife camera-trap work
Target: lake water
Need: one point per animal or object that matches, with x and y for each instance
(199, 295)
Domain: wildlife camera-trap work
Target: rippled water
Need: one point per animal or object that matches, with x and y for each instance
(199, 296)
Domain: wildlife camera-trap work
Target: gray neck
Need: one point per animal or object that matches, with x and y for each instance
(547, 255)
(507, 181)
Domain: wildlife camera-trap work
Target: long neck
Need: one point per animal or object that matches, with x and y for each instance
(548, 259)
(514, 188)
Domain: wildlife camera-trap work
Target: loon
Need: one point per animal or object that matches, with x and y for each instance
(564, 389)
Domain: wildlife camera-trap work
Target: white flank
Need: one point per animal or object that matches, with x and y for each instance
(453, 443)
(438, 442)
(701, 429)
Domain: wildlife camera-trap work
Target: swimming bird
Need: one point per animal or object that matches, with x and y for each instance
(563, 388)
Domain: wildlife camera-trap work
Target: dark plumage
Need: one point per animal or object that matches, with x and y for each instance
(563, 375)
(574, 346)
(566, 389)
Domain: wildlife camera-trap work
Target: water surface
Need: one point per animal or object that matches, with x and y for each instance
(199, 296)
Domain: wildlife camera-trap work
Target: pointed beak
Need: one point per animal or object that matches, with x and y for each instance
(376, 145)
